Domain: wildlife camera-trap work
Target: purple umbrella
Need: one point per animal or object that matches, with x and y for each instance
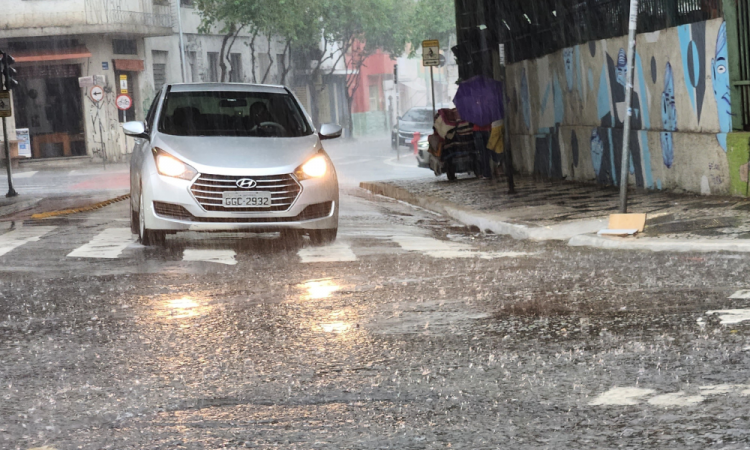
(479, 100)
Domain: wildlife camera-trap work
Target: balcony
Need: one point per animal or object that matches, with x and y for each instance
(76, 17)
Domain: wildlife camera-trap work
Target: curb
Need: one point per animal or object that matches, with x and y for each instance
(19, 206)
(81, 209)
(662, 245)
(487, 221)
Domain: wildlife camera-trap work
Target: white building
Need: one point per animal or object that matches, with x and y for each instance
(130, 48)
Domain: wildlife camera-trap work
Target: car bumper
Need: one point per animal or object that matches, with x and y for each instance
(171, 206)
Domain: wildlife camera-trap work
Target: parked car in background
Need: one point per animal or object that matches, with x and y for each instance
(417, 119)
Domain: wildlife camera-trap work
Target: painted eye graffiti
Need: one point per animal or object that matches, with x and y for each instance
(721, 69)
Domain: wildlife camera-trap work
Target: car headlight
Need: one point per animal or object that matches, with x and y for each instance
(423, 144)
(169, 166)
(315, 167)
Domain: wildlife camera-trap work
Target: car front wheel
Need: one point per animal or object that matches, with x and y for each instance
(146, 236)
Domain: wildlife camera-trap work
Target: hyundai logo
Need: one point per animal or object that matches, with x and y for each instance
(246, 183)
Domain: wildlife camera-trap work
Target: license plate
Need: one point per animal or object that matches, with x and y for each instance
(246, 199)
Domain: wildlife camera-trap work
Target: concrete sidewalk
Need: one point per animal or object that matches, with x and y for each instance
(574, 212)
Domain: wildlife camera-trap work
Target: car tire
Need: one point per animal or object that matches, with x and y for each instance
(322, 237)
(145, 236)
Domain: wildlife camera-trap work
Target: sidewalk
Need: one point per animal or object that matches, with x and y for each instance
(574, 212)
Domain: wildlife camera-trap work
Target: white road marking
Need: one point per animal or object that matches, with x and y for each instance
(18, 237)
(28, 174)
(741, 294)
(447, 249)
(214, 256)
(107, 244)
(339, 251)
(621, 396)
(731, 316)
(676, 399)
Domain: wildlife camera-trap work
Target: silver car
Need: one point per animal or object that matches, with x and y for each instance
(231, 157)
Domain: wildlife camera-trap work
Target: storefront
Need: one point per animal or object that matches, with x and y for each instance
(48, 100)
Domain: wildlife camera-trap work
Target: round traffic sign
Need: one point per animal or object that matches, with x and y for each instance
(124, 102)
(96, 93)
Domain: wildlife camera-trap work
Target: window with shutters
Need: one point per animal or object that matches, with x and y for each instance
(235, 76)
(124, 47)
(160, 68)
(213, 66)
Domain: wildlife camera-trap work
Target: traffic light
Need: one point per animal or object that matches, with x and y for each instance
(8, 72)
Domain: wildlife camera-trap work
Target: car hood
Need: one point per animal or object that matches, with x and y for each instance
(240, 155)
(415, 126)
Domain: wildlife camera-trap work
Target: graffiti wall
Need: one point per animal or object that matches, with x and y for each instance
(567, 111)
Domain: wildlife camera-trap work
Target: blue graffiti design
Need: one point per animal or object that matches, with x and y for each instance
(597, 151)
(558, 101)
(525, 105)
(683, 32)
(622, 67)
(644, 102)
(668, 117)
(578, 68)
(720, 78)
(567, 55)
(603, 102)
(646, 159)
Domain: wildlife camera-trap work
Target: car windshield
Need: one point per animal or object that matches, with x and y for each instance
(418, 115)
(227, 113)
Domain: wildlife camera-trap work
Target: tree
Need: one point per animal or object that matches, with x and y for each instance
(431, 19)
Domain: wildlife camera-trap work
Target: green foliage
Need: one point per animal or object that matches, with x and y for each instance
(431, 19)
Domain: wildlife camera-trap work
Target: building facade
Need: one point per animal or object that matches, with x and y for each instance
(76, 58)
(65, 48)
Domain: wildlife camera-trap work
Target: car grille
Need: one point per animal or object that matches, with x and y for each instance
(172, 211)
(207, 190)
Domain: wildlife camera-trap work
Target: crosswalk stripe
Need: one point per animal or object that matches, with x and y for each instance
(339, 251)
(28, 174)
(107, 244)
(214, 256)
(17, 238)
(448, 249)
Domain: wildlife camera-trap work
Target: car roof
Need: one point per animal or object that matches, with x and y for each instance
(231, 87)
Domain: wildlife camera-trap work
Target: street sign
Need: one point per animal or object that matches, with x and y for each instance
(5, 107)
(123, 102)
(123, 84)
(96, 93)
(24, 143)
(431, 53)
(105, 65)
(85, 81)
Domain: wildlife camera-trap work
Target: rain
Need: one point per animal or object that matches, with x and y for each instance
(373, 224)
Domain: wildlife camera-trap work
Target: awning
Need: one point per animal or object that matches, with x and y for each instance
(52, 55)
(129, 65)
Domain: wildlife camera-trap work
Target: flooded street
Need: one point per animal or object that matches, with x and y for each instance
(410, 331)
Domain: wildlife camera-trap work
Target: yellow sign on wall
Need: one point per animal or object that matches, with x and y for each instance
(123, 84)
(5, 104)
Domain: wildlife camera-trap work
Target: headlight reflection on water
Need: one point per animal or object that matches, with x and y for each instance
(184, 307)
(319, 289)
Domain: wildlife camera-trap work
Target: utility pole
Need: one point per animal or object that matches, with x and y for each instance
(7, 73)
(625, 164)
(182, 41)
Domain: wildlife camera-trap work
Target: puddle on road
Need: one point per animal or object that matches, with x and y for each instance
(185, 307)
(318, 289)
(435, 317)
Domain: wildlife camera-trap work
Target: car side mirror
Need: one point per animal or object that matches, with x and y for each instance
(330, 131)
(135, 129)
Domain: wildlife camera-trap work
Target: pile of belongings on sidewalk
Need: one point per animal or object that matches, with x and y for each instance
(452, 139)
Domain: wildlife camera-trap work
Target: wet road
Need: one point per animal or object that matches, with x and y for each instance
(409, 332)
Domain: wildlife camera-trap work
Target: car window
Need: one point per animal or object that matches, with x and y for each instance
(152, 111)
(418, 115)
(226, 113)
